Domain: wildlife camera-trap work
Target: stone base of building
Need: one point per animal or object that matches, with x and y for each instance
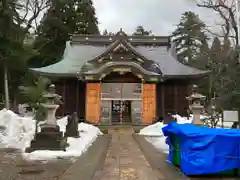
(50, 138)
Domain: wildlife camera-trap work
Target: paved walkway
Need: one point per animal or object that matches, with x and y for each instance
(14, 167)
(125, 161)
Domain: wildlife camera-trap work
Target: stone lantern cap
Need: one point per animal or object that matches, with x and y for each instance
(195, 95)
(50, 94)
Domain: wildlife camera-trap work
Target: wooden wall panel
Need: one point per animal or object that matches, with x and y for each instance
(70, 99)
(93, 102)
(159, 100)
(148, 103)
(169, 99)
(82, 100)
(182, 101)
(175, 94)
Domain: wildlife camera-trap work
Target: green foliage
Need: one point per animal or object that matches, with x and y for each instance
(220, 58)
(11, 36)
(189, 37)
(33, 95)
(230, 80)
(85, 17)
(64, 17)
(140, 31)
(13, 52)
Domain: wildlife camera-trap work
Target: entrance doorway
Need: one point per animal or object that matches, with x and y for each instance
(121, 102)
(121, 111)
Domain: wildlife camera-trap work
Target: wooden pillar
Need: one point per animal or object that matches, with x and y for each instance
(163, 100)
(176, 98)
(64, 97)
(78, 99)
(93, 103)
(148, 103)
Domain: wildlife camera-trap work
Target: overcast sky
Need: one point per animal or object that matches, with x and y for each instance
(160, 16)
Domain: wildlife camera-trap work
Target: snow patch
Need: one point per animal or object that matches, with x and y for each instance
(156, 137)
(155, 134)
(153, 130)
(17, 132)
(182, 120)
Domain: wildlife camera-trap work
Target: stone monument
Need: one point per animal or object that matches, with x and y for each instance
(195, 105)
(72, 126)
(50, 137)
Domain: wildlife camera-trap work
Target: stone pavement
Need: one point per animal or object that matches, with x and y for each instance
(125, 161)
(14, 167)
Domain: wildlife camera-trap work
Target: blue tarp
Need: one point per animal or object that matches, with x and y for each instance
(204, 150)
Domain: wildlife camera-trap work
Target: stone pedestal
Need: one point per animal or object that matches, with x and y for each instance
(50, 138)
(196, 110)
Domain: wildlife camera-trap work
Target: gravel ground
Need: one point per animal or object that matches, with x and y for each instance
(13, 167)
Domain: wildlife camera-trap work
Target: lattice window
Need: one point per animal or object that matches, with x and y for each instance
(121, 90)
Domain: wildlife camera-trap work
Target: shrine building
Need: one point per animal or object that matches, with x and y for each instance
(121, 78)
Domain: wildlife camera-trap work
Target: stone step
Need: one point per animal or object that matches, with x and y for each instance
(121, 130)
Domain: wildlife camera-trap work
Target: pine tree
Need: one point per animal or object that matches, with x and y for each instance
(12, 52)
(84, 15)
(140, 31)
(215, 65)
(106, 33)
(229, 78)
(64, 17)
(189, 37)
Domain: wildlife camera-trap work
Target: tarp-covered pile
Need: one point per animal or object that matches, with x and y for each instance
(204, 150)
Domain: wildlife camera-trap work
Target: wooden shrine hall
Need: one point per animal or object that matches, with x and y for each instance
(121, 78)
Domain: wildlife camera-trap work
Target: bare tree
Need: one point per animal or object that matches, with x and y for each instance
(226, 10)
(26, 12)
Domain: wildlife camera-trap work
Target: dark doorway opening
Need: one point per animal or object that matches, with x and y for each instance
(121, 111)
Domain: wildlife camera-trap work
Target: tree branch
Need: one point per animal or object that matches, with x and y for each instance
(29, 11)
(226, 11)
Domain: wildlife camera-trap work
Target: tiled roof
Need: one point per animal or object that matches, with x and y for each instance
(158, 60)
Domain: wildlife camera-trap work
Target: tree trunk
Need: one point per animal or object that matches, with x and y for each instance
(6, 90)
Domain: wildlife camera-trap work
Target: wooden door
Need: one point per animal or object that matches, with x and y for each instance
(93, 102)
(148, 103)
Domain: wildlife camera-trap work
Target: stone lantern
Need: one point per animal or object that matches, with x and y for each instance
(50, 137)
(195, 100)
(51, 106)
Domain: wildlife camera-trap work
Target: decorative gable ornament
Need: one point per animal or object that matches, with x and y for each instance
(122, 71)
(120, 48)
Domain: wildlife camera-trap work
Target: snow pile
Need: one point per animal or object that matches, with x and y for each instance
(15, 131)
(77, 146)
(185, 120)
(182, 120)
(153, 130)
(156, 137)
